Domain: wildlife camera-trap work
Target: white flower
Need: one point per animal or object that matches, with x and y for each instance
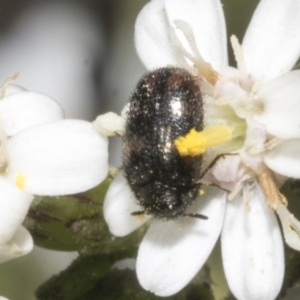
(41, 154)
(260, 102)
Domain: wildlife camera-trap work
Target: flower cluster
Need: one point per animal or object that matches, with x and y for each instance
(259, 101)
(41, 154)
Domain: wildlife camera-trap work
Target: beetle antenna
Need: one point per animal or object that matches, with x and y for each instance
(198, 216)
(138, 213)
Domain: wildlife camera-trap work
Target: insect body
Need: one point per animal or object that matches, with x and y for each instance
(165, 105)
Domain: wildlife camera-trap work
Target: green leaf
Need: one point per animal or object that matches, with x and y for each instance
(79, 278)
(92, 278)
(76, 223)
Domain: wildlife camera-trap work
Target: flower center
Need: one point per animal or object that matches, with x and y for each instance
(226, 100)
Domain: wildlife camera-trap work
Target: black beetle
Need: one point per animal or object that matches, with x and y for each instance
(166, 104)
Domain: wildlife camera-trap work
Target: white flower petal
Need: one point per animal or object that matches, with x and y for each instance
(20, 244)
(110, 124)
(118, 205)
(25, 109)
(173, 251)
(252, 248)
(272, 41)
(63, 157)
(281, 101)
(206, 19)
(15, 241)
(152, 37)
(290, 227)
(14, 204)
(285, 158)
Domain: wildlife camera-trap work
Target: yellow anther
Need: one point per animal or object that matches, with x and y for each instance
(272, 194)
(197, 142)
(20, 181)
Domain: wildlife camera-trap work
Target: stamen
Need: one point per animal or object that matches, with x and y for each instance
(238, 187)
(238, 53)
(270, 189)
(290, 226)
(190, 37)
(6, 83)
(203, 68)
(176, 42)
(267, 146)
(196, 143)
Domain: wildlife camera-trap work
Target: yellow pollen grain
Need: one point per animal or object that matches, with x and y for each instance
(140, 218)
(197, 142)
(20, 181)
(201, 192)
